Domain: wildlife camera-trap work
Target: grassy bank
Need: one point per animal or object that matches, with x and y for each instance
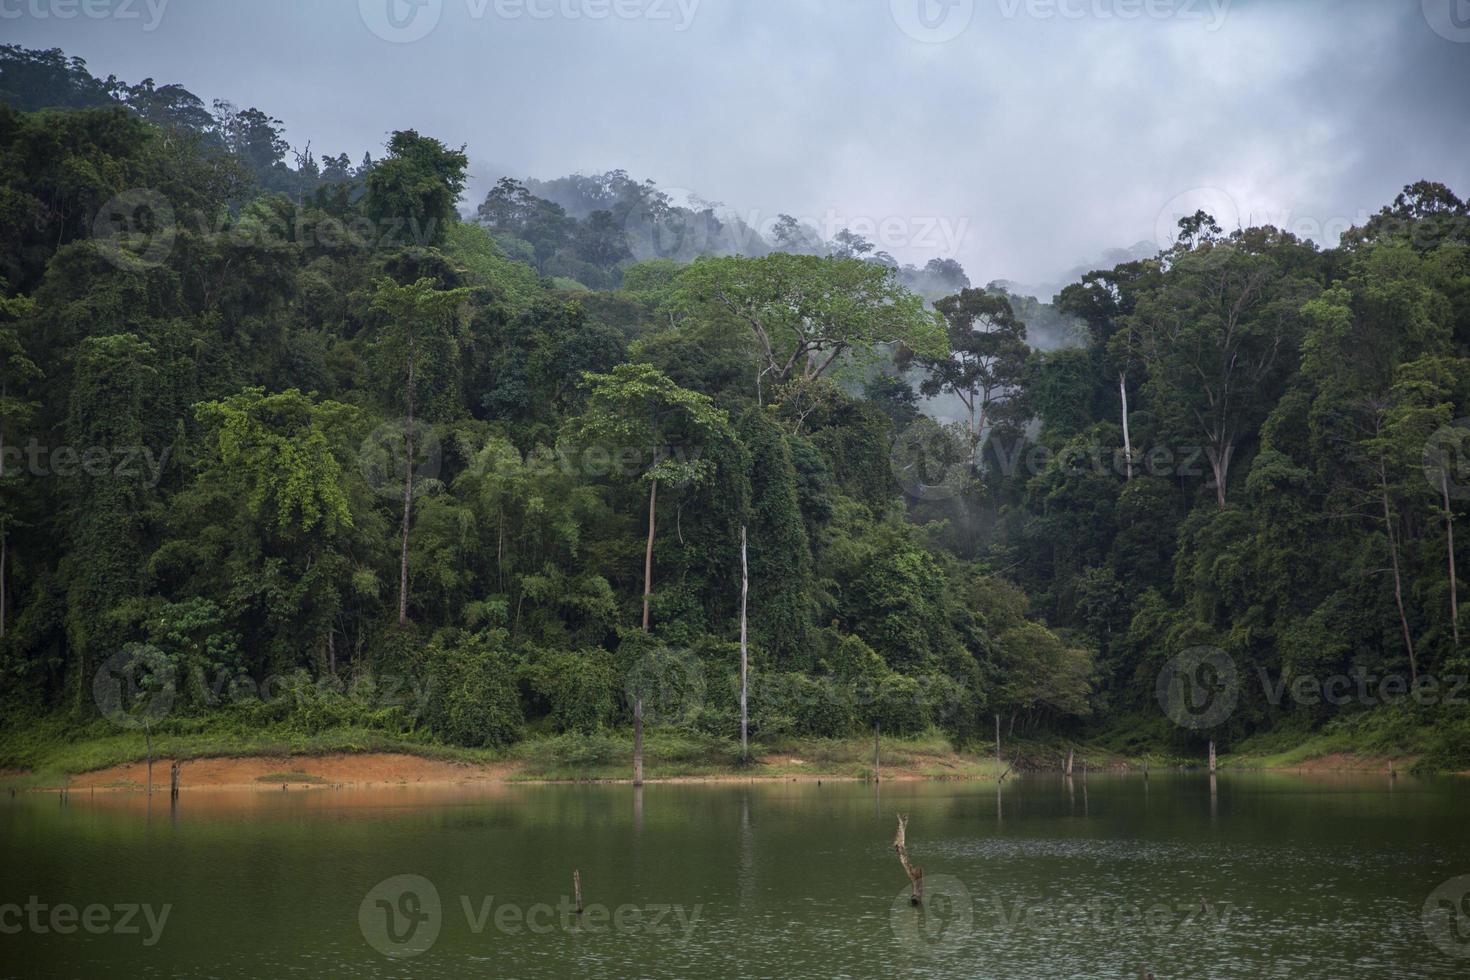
(48, 752)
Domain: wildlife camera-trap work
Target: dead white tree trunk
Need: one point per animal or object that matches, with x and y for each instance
(1449, 534)
(1212, 755)
(647, 595)
(744, 652)
(1067, 768)
(916, 875)
(1127, 442)
(407, 495)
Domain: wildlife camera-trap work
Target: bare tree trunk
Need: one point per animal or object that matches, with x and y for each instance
(647, 593)
(1398, 585)
(1449, 533)
(407, 499)
(331, 651)
(1212, 755)
(648, 551)
(1127, 442)
(1067, 769)
(638, 741)
(1220, 466)
(916, 875)
(744, 651)
(998, 756)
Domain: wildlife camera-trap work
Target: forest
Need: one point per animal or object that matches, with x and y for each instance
(310, 443)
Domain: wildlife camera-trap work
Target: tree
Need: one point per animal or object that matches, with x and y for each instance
(418, 342)
(637, 408)
(780, 557)
(276, 455)
(983, 367)
(109, 408)
(807, 311)
(1217, 340)
(17, 373)
(414, 188)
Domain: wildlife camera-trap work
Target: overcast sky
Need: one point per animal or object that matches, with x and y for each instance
(1023, 137)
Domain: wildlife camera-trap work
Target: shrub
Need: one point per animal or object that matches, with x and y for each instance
(898, 705)
(472, 697)
(578, 690)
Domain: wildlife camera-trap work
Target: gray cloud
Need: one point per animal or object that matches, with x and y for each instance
(1047, 131)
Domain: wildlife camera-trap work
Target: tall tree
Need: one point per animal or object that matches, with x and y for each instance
(637, 408)
(806, 311)
(417, 347)
(17, 373)
(984, 365)
(1218, 339)
(412, 192)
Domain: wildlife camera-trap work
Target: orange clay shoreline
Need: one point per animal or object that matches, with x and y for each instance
(378, 769)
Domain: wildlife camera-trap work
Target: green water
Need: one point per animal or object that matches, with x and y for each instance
(1300, 877)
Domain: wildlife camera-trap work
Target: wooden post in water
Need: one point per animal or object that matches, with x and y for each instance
(148, 737)
(916, 875)
(173, 781)
(1212, 755)
(1067, 768)
(577, 889)
(877, 769)
(638, 741)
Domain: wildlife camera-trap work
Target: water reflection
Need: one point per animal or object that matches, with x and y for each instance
(1319, 876)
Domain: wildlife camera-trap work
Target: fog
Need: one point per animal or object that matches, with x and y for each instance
(1024, 138)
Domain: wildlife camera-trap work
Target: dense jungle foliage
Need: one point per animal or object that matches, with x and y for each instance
(274, 421)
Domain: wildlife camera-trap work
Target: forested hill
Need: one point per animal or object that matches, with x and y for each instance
(317, 420)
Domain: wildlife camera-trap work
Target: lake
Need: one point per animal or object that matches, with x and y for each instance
(1263, 875)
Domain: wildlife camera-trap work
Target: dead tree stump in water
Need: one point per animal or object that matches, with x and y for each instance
(173, 780)
(916, 875)
(577, 889)
(877, 766)
(1212, 755)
